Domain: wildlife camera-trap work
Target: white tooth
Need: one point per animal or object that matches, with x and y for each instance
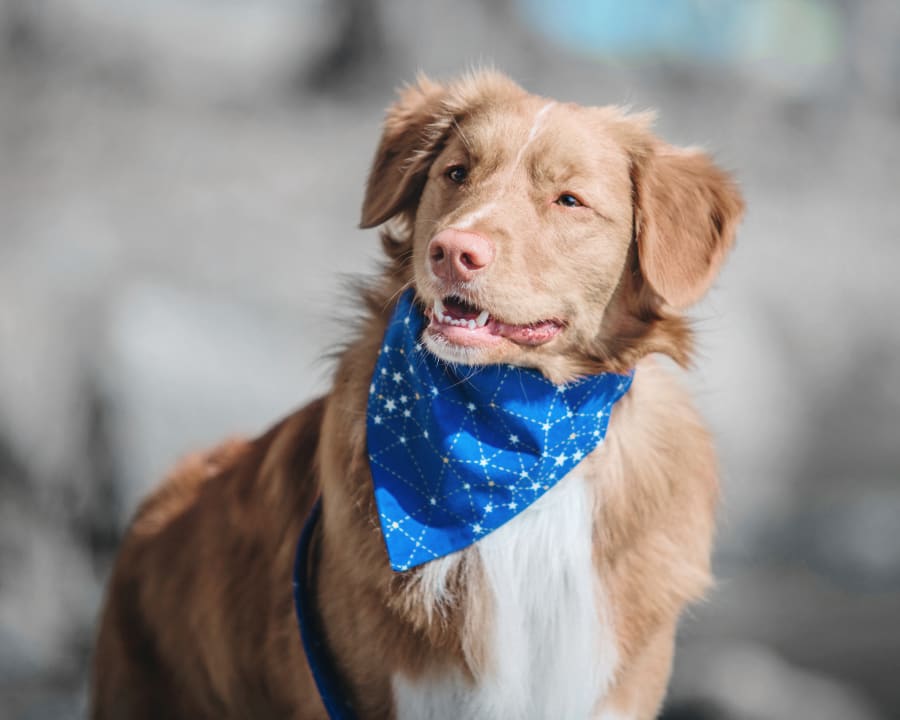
(482, 318)
(471, 324)
(439, 309)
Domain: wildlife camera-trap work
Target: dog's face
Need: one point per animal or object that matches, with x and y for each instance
(544, 234)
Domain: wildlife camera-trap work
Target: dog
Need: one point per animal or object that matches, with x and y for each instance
(561, 242)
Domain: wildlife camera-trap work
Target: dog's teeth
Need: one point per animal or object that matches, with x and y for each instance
(441, 315)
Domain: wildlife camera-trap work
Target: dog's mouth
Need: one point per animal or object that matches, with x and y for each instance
(460, 322)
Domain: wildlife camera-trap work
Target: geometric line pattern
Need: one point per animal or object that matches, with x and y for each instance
(457, 451)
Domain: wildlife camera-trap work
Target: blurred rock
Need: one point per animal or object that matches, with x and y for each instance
(744, 388)
(875, 53)
(194, 49)
(855, 536)
(49, 595)
(749, 682)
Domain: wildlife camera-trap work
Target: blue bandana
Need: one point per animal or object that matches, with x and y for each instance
(456, 451)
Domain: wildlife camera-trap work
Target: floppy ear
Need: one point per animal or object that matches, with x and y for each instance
(412, 132)
(686, 214)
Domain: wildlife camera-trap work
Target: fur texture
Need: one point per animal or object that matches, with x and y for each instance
(571, 609)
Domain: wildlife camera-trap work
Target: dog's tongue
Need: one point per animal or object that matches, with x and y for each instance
(536, 334)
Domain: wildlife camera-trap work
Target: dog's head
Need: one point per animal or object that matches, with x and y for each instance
(544, 234)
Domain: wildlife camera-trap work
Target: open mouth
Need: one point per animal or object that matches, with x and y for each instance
(462, 323)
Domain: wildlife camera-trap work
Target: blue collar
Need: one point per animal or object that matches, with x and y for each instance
(334, 697)
(457, 451)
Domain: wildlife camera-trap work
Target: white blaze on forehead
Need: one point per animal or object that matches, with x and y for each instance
(532, 134)
(469, 220)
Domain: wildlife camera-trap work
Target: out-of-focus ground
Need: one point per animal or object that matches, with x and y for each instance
(180, 182)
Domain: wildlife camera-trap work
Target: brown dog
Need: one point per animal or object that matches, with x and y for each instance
(574, 236)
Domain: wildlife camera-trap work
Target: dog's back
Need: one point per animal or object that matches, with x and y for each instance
(177, 631)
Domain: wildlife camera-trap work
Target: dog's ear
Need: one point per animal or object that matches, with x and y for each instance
(686, 214)
(412, 131)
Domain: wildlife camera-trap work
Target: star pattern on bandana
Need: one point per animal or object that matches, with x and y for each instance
(456, 452)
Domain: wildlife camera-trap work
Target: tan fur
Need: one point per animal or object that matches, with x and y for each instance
(199, 620)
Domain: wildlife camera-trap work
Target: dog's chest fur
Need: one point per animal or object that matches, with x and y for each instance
(552, 648)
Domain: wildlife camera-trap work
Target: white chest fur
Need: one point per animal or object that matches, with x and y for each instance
(552, 651)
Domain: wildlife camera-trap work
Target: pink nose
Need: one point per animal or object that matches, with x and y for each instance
(457, 255)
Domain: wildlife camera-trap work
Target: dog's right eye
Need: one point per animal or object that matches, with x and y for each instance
(457, 174)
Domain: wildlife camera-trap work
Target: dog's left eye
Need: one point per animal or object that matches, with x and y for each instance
(457, 174)
(568, 200)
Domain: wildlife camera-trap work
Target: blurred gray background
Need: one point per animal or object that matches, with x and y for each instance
(180, 182)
